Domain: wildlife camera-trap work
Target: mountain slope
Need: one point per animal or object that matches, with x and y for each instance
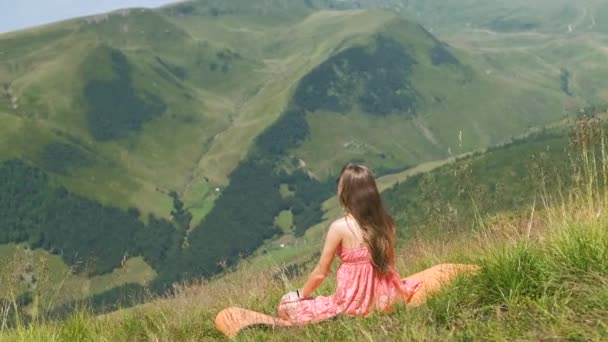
(525, 257)
(524, 38)
(455, 196)
(190, 130)
(223, 111)
(514, 16)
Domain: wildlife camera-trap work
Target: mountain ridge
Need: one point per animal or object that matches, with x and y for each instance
(179, 119)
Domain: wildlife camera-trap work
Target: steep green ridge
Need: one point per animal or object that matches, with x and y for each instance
(192, 123)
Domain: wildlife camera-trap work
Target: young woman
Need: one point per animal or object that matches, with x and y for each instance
(364, 239)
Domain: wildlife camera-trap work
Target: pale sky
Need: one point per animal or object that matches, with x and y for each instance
(19, 14)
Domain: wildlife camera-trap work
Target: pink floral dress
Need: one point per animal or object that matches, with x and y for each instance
(360, 289)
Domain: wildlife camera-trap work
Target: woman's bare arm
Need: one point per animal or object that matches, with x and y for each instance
(332, 242)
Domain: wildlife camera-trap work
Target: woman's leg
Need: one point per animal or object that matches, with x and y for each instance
(309, 310)
(287, 310)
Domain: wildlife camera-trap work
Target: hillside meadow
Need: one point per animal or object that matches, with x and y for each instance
(543, 275)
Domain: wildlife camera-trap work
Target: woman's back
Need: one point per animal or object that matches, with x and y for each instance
(352, 234)
(360, 287)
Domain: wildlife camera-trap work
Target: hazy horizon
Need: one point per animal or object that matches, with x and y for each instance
(30, 13)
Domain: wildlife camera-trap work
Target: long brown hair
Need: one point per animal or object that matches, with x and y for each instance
(359, 196)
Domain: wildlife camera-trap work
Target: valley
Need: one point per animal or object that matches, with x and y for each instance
(187, 139)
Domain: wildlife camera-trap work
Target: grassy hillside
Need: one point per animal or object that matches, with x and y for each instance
(89, 105)
(463, 193)
(208, 96)
(548, 37)
(459, 196)
(513, 16)
(163, 125)
(543, 272)
(43, 271)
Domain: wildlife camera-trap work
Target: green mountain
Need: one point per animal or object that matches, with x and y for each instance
(182, 139)
(555, 16)
(458, 196)
(542, 269)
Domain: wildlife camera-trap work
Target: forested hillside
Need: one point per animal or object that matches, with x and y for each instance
(185, 138)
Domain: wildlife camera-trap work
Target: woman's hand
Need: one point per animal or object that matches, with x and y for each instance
(291, 297)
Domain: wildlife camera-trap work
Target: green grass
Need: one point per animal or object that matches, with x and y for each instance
(543, 273)
(550, 283)
(459, 195)
(284, 220)
(360, 137)
(56, 283)
(200, 200)
(558, 283)
(285, 192)
(214, 117)
(10, 124)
